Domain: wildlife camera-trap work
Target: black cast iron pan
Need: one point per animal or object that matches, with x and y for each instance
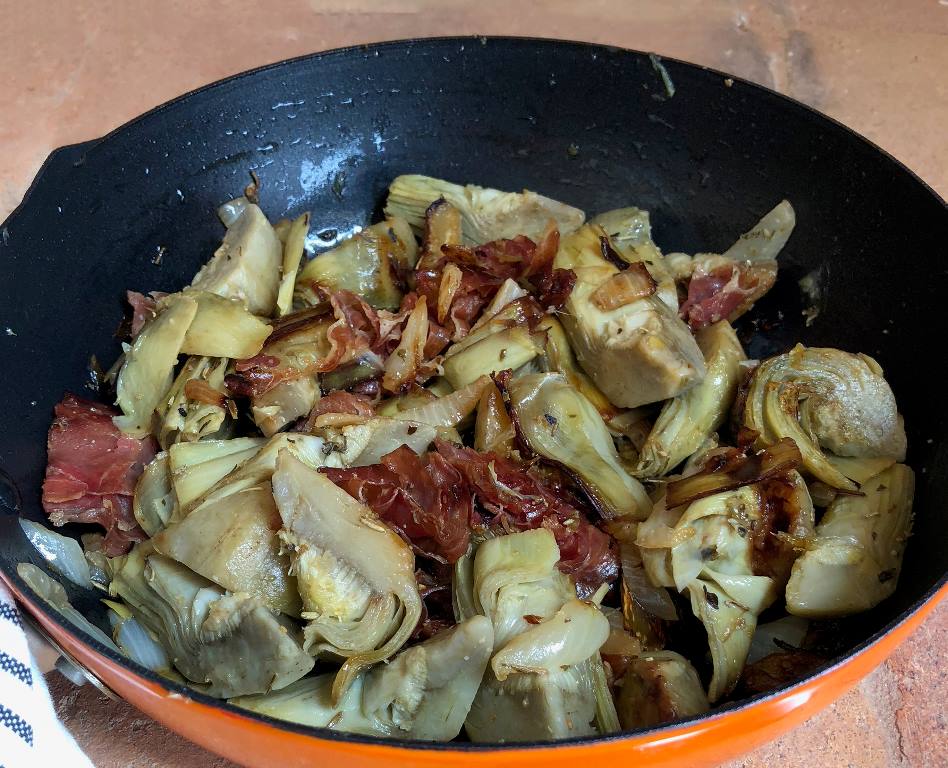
(593, 126)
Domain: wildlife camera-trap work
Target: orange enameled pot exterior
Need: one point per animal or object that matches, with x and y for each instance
(707, 742)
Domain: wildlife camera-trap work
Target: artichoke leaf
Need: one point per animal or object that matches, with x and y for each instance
(498, 351)
(766, 239)
(196, 406)
(515, 576)
(370, 264)
(148, 370)
(355, 575)
(558, 356)
(855, 559)
(561, 425)
(730, 627)
(284, 403)
(486, 214)
(233, 542)
(638, 353)
(451, 410)
(659, 687)
(226, 645)
(365, 443)
(223, 327)
(247, 264)
(196, 467)
(153, 503)
(258, 468)
(688, 420)
(826, 400)
(294, 246)
(573, 634)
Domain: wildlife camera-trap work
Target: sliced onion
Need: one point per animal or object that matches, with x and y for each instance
(53, 593)
(403, 365)
(652, 599)
(64, 555)
(778, 459)
(135, 642)
(449, 410)
(631, 284)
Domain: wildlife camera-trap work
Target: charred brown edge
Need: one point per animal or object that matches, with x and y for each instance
(610, 254)
(726, 472)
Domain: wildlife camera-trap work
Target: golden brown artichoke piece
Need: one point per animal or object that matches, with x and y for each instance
(561, 425)
(546, 679)
(371, 264)
(486, 214)
(659, 687)
(638, 353)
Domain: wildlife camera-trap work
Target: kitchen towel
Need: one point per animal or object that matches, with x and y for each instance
(30, 733)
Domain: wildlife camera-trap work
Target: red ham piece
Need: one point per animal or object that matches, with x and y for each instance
(519, 502)
(92, 470)
(340, 401)
(422, 497)
(429, 500)
(144, 308)
(356, 328)
(484, 268)
(725, 292)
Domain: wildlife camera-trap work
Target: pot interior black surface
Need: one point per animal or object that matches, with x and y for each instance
(592, 126)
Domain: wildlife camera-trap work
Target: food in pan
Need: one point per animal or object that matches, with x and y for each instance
(488, 469)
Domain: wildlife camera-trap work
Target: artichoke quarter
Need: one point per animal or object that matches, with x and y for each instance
(637, 353)
(659, 686)
(829, 402)
(356, 576)
(854, 562)
(562, 426)
(714, 550)
(425, 692)
(486, 214)
(370, 264)
(248, 263)
(225, 644)
(546, 679)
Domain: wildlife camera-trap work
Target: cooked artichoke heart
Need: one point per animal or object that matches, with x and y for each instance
(688, 420)
(855, 559)
(486, 214)
(560, 424)
(247, 264)
(638, 353)
(329, 586)
(826, 400)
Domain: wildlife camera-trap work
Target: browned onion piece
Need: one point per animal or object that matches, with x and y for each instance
(629, 285)
(726, 473)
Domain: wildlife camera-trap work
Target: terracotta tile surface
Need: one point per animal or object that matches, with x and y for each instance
(74, 71)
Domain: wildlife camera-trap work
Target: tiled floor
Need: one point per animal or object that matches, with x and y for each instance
(74, 71)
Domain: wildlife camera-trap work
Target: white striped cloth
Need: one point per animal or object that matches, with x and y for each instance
(31, 735)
